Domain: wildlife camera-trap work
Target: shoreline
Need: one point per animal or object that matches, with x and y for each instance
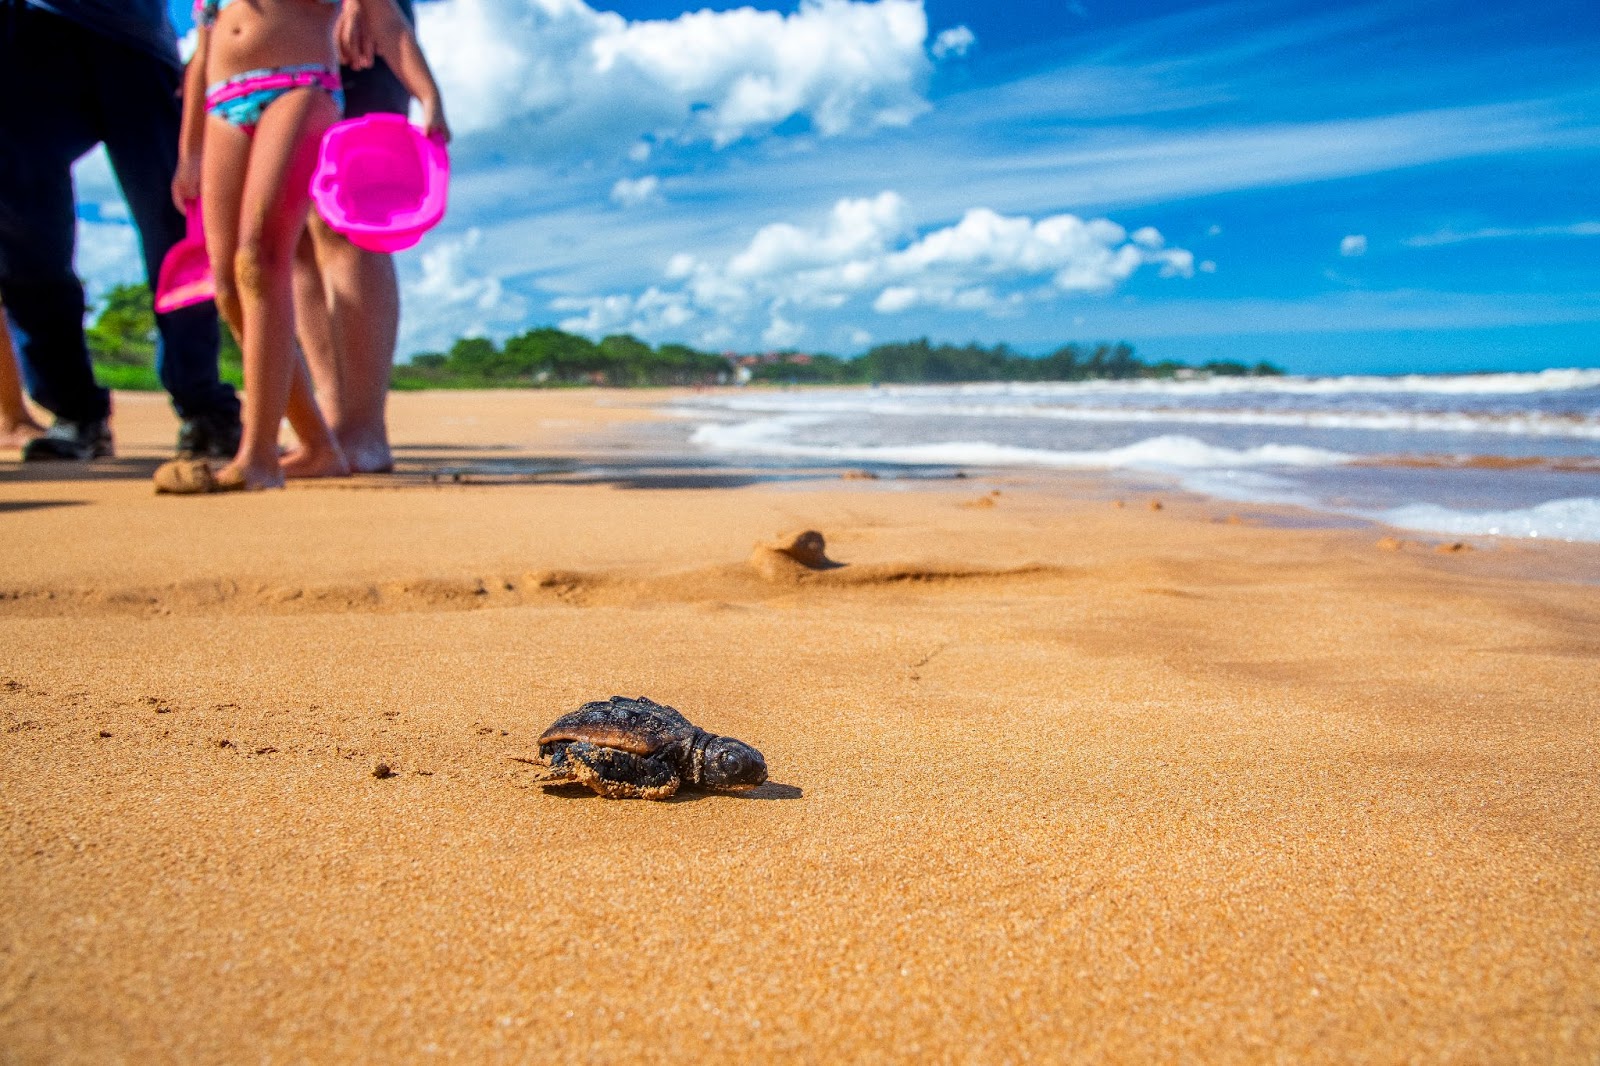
(1051, 779)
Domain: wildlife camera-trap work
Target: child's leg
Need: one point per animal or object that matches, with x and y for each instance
(17, 426)
(222, 166)
(313, 322)
(272, 215)
(319, 453)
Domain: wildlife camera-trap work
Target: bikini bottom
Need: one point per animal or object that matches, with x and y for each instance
(241, 99)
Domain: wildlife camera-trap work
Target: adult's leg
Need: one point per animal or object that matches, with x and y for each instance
(272, 215)
(363, 297)
(137, 96)
(46, 123)
(350, 340)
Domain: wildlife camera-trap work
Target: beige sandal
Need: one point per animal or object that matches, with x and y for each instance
(194, 477)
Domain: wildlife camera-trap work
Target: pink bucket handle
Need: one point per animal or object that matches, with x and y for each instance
(194, 227)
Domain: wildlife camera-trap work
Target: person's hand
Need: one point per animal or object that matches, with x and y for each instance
(186, 184)
(433, 122)
(354, 34)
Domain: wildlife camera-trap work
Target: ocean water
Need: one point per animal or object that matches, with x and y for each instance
(1509, 455)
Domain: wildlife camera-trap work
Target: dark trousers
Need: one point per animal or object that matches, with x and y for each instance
(64, 89)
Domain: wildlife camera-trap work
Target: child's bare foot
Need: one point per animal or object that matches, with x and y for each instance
(16, 434)
(367, 452)
(314, 462)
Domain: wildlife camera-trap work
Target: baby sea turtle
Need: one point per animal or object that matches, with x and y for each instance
(626, 748)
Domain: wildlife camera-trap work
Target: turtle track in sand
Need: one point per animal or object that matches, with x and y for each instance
(790, 566)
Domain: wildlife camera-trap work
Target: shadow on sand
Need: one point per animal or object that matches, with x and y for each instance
(436, 465)
(772, 790)
(13, 506)
(95, 470)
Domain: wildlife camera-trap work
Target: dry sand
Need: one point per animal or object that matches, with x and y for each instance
(1052, 780)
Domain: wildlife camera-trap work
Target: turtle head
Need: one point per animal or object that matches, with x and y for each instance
(732, 764)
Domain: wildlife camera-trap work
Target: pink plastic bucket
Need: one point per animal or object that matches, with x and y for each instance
(185, 276)
(380, 182)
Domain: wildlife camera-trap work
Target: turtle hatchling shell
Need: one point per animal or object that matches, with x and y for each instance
(639, 726)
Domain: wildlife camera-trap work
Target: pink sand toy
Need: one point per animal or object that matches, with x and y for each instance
(380, 182)
(185, 276)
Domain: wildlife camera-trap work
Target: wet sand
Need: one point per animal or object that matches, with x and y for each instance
(1052, 779)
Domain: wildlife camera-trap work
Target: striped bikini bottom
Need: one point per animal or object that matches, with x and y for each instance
(241, 99)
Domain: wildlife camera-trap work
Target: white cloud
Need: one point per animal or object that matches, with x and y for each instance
(108, 246)
(894, 299)
(1577, 229)
(449, 300)
(866, 254)
(589, 76)
(652, 313)
(1353, 245)
(782, 333)
(107, 255)
(956, 41)
(631, 192)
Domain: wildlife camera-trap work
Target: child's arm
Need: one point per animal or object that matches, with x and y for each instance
(395, 41)
(186, 180)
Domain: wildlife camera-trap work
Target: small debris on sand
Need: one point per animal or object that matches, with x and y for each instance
(1456, 546)
(1393, 544)
(980, 502)
(226, 744)
(383, 771)
(104, 735)
(1118, 504)
(858, 475)
(792, 555)
(1156, 505)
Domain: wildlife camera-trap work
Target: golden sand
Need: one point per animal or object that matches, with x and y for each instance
(1052, 779)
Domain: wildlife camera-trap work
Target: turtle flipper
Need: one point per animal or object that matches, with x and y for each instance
(616, 774)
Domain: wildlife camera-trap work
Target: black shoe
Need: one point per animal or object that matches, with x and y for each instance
(67, 442)
(209, 437)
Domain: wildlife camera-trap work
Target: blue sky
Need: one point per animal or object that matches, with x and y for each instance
(1337, 187)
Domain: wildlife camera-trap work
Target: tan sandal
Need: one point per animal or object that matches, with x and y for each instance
(194, 477)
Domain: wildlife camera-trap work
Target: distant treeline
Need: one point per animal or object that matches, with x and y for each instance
(550, 356)
(922, 361)
(122, 342)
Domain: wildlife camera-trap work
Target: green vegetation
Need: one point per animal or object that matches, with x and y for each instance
(122, 343)
(550, 357)
(922, 361)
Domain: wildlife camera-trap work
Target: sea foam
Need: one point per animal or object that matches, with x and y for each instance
(1572, 519)
(773, 436)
